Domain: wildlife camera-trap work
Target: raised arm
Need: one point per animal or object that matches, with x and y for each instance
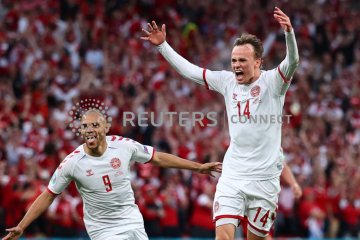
(211, 79)
(287, 67)
(180, 64)
(171, 161)
(41, 203)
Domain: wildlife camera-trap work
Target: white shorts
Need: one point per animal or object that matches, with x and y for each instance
(254, 200)
(136, 234)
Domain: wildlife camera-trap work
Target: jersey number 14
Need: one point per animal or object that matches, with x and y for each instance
(246, 109)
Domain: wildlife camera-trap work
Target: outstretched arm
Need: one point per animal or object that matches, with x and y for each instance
(211, 79)
(288, 66)
(41, 203)
(171, 161)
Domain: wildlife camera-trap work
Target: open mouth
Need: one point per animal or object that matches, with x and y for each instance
(91, 139)
(239, 73)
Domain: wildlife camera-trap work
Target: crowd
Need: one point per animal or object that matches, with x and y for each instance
(55, 54)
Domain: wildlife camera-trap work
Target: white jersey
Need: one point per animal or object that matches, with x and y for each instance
(254, 113)
(104, 185)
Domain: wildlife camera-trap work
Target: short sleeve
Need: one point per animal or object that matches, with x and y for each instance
(142, 153)
(61, 177)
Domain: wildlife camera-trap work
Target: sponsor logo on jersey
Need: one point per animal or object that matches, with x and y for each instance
(115, 163)
(234, 96)
(89, 172)
(255, 91)
(257, 100)
(118, 173)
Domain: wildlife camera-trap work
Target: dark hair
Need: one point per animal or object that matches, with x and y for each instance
(247, 38)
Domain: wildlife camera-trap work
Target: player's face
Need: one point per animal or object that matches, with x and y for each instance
(244, 63)
(93, 129)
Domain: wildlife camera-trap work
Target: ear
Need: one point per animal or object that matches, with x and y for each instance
(258, 62)
(107, 128)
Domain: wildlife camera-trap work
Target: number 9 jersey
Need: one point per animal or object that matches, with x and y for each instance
(104, 185)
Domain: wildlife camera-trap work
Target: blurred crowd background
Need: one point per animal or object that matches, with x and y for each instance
(53, 54)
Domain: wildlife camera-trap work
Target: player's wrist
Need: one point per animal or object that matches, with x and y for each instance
(161, 45)
(289, 30)
(199, 168)
(21, 228)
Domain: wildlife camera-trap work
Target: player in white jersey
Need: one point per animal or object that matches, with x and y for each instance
(100, 169)
(249, 184)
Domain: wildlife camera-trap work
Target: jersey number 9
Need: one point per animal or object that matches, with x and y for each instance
(107, 183)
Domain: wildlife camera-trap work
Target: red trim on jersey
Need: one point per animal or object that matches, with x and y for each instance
(113, 138)
(204, 78)
(282, 76)
(257, 229)
(152, 156)
(77, 151)
(228, 216)
(51, 192)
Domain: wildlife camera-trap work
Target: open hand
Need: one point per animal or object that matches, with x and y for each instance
(153, 34)
(282, 19)
(14, 233)
(208, 168)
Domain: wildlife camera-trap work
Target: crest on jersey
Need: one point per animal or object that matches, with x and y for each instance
(255, 91)
(115, 163)
(216, 206)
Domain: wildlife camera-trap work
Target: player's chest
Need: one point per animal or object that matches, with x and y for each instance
(246, 100)
(103, 174)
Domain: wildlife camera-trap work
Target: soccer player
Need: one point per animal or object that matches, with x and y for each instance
(249, 184)
(100, 168)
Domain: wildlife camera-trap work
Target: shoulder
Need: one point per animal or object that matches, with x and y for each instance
(227, 79)
(227, 75)
(67, 165)
(267, 76)
(115, 141)
(74, 156)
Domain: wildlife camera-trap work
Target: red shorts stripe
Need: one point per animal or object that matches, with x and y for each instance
(282, 76)
(204, 78)
(228, 216)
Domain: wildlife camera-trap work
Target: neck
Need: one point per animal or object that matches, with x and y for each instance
(96, 152)
(256, 76)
